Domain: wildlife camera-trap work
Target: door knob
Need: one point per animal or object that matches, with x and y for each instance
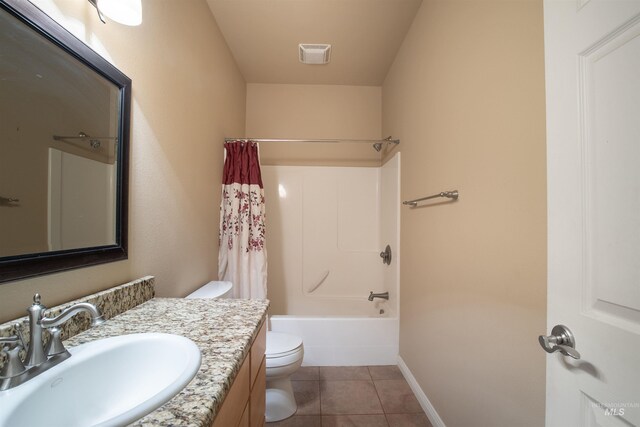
(561, 339)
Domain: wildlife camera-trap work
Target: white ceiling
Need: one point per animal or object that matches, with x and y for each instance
(365, 35)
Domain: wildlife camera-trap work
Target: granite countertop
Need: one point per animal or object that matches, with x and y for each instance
(223, 330)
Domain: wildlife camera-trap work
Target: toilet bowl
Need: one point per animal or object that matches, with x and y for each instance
(283, 355)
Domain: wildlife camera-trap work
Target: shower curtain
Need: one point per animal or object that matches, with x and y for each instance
(242, 259)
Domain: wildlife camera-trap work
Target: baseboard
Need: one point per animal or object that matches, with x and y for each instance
(427, 407)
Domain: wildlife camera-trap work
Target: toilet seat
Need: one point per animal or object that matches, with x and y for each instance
(281, 361)
(281, 345)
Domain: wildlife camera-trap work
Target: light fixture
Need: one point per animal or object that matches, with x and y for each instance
(315, 54)
(125, 12)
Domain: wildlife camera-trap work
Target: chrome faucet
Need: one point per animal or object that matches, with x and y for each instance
(39, 358)
(383, 295)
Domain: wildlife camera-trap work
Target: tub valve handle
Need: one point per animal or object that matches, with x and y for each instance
(386, 255)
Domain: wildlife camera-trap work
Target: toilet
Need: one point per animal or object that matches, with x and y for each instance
(284, 355)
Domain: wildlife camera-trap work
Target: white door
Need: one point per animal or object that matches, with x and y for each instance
(592, 55)
(81, 208)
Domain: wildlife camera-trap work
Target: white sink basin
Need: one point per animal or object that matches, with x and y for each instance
(109, 382)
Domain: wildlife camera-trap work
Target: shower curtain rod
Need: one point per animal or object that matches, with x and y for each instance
(370, 141)
(82, 135)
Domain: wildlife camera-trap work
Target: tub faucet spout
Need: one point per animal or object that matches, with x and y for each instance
(383, 295)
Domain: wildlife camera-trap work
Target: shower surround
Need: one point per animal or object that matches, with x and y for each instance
(326, 227)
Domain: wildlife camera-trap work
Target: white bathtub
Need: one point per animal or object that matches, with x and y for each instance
(343, 341)
(324, 260)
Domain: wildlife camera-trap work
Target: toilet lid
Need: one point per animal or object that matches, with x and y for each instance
(279, 343)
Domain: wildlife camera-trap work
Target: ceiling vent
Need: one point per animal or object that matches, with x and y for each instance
(315, 53)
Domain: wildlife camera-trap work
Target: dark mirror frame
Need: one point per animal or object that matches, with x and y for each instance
(37, 264)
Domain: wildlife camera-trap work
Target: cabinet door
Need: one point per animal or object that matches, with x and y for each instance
(257, 351)
(258, 396)
(244, 420)
(233, 405)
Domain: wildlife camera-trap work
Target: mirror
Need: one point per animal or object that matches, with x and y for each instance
(64, 137)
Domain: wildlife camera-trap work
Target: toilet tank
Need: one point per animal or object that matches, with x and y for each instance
(213, 290)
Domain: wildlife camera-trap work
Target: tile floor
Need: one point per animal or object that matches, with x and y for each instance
(353, 396)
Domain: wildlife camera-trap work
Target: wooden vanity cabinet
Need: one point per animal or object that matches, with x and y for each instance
(245, 403)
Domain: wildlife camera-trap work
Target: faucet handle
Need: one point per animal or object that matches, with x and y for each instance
(14, 340)
(13, 366)
(55, 346)
(18, 327)
(9, 343)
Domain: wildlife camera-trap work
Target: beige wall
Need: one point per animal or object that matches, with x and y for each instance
(466, 97)
(314, 111)
(187, 95)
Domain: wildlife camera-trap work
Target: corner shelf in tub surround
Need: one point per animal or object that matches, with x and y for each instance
(224, 330)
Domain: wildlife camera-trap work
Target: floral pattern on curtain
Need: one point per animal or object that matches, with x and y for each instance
(242, 259)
